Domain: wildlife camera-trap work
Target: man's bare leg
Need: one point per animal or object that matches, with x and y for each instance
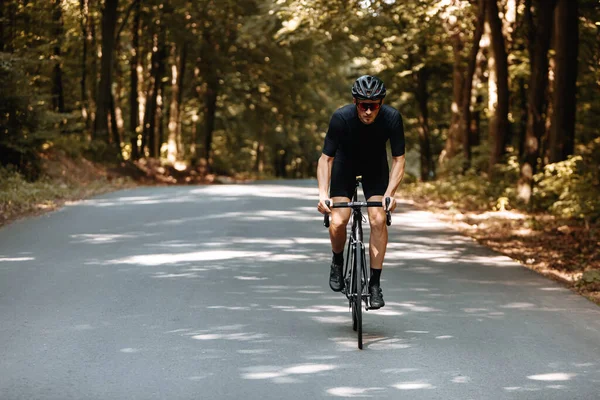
(337, 225)
(337, 234)
(377, 246)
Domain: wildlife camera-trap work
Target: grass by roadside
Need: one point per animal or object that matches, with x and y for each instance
(64, 179)
(71, 178)
(565, 250)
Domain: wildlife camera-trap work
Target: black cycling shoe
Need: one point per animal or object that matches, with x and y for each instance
(376, 297)
(336, 280)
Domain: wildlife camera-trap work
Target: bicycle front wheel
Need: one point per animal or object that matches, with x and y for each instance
(357, 291)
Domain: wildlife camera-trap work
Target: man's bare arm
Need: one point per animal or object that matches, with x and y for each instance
(323, 176)
(396, 175)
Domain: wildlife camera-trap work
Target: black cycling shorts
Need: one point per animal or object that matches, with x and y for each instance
(343, 180)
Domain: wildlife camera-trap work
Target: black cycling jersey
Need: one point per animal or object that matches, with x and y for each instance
(360, 149)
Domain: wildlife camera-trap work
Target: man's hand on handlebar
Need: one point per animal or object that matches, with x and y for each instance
(323, 207)
(392, 203)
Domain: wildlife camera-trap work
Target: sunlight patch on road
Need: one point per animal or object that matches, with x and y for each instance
(240, 337)
(426, 254)
(413, 385)
(269, 191)
(251, 278)
(389, 344)
(13, 259)
(104, 237)
(129, 350)
(461, 379)
(285, 373)
(332, 320)
(160, 275)
(522, 389)
(415, 307)
(229, 308)
(159, 259)
(387, 312)
(558, 376)
(353, 391)
(319, 309)
(254, 351)
(518, 305)
(399, 370)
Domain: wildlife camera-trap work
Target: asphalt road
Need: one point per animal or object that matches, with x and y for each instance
(220, 292)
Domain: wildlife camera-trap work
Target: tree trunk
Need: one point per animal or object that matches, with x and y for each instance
(196, 141)
(562, 132)
(85, 33)
(93, 87)
(209, 116)
(177, 71)
(2, 24)
(260, 154)
(159, 119)
(499, 123)
(150, 102)
(458, 82)
(182, 70)
(114, 125)
(465, 123)
(134, 105)
(536, 98)
(8, 28)
(103, 102)
(422, 95)
(151, 133)
(58, 97)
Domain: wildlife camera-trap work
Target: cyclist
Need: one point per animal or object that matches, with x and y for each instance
(355, 145)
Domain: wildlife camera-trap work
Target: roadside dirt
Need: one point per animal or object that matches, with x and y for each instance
(563, 250)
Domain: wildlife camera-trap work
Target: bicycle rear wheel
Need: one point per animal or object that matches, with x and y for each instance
(357, 292)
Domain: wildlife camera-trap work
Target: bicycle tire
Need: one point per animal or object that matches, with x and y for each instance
(354, 320)
(357, 290)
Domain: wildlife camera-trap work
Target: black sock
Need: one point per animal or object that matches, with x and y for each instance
(338, 259)
(375, 275)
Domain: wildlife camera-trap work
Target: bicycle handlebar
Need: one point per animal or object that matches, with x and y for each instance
(359, 204)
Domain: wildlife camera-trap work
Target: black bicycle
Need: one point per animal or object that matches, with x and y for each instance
(356, 276)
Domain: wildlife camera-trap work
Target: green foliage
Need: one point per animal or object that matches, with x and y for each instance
(19, 119)
(569, 189)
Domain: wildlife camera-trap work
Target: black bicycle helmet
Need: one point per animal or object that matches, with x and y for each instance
(368, 87)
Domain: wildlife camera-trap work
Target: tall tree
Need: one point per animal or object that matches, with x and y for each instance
(421, 77)
(103, 102)
(134, 105)
(84, 21)
(465, 123)
(454, 136)
(499, 123)
(58, 95)
(536, 108)
(562, 132)
(2, 24)
(151, 134)
(177, 79)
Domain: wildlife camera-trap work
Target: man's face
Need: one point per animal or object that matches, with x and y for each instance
(368, 110)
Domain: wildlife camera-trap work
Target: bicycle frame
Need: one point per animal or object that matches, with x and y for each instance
(355, 268)
(355, 247)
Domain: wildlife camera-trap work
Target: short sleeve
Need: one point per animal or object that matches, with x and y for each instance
(397, 136)
(332, 138)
